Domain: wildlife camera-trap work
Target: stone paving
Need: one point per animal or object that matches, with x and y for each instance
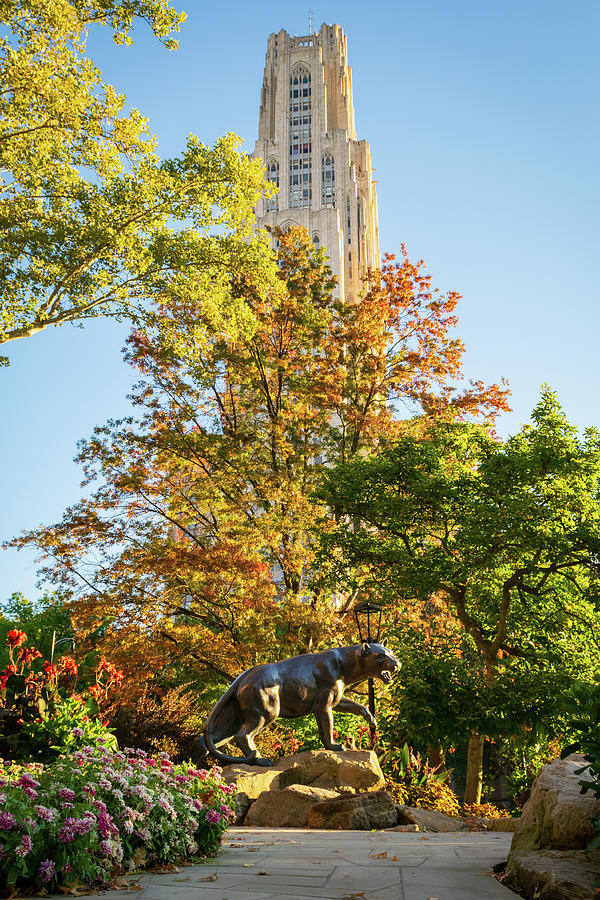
(297, 864)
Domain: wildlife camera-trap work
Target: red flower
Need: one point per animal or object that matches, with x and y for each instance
(16, 638)
(28, 654)
(50, 670)
(69, 665)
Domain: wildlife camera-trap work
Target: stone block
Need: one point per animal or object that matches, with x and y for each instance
(428, 819)
(288, 808)
(359, 812)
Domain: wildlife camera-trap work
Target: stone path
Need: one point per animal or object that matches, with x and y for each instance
(297, 864)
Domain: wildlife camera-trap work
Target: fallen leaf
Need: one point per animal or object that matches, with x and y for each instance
(262, 872)
(74, 889)
(379, 855)
(213, 877)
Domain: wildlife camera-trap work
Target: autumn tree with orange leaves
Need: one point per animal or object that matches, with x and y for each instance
(197, 547)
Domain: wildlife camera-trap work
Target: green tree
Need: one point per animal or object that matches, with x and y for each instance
(199, 535)
(507, 536)
(92, 222)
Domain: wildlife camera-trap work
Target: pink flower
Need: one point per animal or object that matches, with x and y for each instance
(7, 821)
(26, 781)
(25, 846)
(213, 817)
(47, 815)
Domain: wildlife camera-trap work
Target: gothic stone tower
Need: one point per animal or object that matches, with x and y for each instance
(307, 140)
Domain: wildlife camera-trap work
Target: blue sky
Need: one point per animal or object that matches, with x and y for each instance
(483, 125)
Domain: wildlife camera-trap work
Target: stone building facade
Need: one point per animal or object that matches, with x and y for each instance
(307, 140)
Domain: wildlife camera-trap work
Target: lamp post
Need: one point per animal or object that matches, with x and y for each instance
(368, 621)
(55, 644)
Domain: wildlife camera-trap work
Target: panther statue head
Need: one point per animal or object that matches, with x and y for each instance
(379, 662)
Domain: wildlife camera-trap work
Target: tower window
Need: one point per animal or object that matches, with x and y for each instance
(273, 176)
(348, 221)
(300, 138)
(316, 241)
(328, 180)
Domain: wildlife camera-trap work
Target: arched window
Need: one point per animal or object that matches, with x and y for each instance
(273, 177)
(316, 241)
(327, 180)
(300, 136)
(348, 220)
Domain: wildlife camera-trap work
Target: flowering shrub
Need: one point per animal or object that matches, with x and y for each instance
(42, 714)
(85, 818)
(430, 795)
(485, 811)
(414, 782)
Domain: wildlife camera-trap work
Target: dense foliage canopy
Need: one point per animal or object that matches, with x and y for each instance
(92, 222)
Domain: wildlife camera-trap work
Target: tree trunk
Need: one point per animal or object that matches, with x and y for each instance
(474, 780)
(436, 756)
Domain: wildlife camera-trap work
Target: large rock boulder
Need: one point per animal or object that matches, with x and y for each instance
(557, 815)
(375, 809)
(503, 824)
(288, 808)
(557, 874)
(546, 857)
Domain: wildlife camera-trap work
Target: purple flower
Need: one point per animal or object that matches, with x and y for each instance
(213, 817)
(72, 827)
(106, 825)
(66, 794)
(47, 870)
(7, 821)
(77, 732)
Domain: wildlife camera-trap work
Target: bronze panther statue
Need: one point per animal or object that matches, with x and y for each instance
(310, 683)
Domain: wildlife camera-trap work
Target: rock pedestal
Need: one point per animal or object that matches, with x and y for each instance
(287, 793)
(546, 856)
